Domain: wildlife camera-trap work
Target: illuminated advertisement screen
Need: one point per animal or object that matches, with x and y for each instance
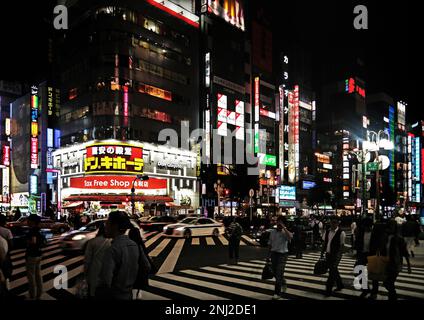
(113, 158)
(306, 185)
(6, 155)
(287, 193)
(230, 10)
(34, 127)
(392, 153)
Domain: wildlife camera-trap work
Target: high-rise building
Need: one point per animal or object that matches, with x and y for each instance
(415, 158)
(225, 102)
(9, 91)
(384, 114)
(128, 74)
(342, 118)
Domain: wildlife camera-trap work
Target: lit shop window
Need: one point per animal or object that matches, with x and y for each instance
(154, 91)
(152, 114)
(73, 93)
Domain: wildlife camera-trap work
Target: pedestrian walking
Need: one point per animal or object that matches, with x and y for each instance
(298, 239)
(278, 253)
(395, 249)
(4, 249)
(120, 260)
(353, 227)
(410, 232)
(366, 244)
(315, 225)
(145, 263)
(6, 235)
(234, 233)
(5, 232)
(334, 241)
(93, 259)
(17, 215)
(77, 221)
(35, 241)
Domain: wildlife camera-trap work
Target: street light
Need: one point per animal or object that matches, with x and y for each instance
(372, 146)
(141, 178)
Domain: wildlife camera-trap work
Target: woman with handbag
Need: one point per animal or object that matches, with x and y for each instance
(93, 259)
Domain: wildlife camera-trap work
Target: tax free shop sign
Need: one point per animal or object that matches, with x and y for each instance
(116, 182)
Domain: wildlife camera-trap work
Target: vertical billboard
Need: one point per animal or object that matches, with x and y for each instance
(392, 152)
(34, 127)
(293, 169)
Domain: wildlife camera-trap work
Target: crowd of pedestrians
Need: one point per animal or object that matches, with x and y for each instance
(117, 263)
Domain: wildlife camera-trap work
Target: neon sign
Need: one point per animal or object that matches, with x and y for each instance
(34, 127)
(352, 87)
(113, 158)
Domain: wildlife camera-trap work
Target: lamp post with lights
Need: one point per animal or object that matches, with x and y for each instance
(372, 146)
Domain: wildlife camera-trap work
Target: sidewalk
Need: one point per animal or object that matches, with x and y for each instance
(418, 261)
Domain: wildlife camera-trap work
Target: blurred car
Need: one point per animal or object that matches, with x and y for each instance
(193, 227)
(45, 223)
(76, 240)
(20, 233)
(156, 223)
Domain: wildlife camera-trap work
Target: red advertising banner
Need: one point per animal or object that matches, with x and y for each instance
(116, 182)
(6, 155)
(34, 153)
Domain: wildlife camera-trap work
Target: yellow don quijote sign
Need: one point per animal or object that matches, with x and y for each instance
(113, 158)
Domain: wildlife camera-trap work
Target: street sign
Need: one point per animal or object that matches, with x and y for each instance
(372, 166)
(251, 193)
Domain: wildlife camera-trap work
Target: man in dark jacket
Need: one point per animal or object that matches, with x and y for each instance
(334, 240)
(410, 232)
(396, 251)
(234, 233)
(367, 241)
(35, 241)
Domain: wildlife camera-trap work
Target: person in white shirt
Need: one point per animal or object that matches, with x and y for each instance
(5, 232)
(334, 241)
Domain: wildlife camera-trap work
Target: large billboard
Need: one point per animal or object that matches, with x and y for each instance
(113, 158)
(20, 132)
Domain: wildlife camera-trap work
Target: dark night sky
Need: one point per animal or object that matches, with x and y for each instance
(323, 28)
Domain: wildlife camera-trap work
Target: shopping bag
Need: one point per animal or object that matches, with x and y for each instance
(321, 267)
(267, 273)
(377, 266)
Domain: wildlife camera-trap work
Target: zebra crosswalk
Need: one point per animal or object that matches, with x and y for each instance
(166, 253)
(212, 280)
(243, 281)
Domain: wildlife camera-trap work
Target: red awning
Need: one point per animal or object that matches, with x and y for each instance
(118, 198)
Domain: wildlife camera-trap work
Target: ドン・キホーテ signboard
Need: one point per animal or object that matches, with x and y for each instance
(113, 158)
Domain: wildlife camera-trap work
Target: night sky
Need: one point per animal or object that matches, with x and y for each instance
(324, 29)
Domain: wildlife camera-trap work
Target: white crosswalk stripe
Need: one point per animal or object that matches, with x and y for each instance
(244, 280)
(216, 282)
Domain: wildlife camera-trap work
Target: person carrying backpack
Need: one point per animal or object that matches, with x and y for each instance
(35, 241)
(234, 233)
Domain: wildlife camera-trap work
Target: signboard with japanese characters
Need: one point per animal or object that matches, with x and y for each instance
(113, 158)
